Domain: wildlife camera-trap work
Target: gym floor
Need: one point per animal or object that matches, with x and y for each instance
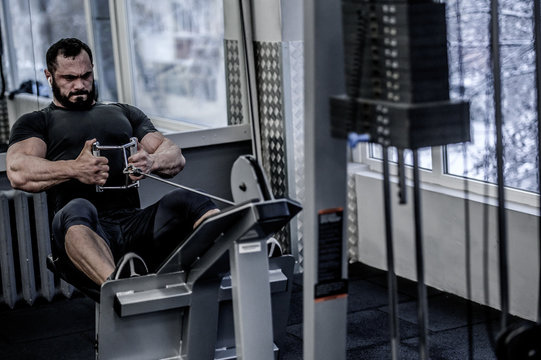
(64, 329)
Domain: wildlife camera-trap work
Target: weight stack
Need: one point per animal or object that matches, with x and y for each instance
(397, 76)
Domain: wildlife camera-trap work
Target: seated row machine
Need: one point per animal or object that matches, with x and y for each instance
(217, 296)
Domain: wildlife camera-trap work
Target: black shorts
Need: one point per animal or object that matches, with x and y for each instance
(152, 232)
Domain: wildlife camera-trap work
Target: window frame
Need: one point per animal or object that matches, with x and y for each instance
(437, 176)
(123, 74)
(121, 50)
(8, 44)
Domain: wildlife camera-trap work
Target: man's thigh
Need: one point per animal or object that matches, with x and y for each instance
(155, 231)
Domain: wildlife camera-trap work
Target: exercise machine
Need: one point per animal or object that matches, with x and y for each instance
(217, 296)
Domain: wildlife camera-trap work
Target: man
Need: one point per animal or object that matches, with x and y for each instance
(51, 150)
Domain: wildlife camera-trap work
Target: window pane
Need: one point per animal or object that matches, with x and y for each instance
(177, 55)
(424, 154)
(470, 73)
(32, 39)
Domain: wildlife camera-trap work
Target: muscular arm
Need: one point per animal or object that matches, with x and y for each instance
(159, 155)
(28, 170)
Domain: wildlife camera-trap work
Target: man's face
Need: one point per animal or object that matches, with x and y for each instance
(73, 82)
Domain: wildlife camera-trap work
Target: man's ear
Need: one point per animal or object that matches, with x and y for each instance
(49, 77)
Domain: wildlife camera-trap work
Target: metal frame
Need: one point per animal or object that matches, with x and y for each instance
(179, 311)
(120, 34)
(132, 147)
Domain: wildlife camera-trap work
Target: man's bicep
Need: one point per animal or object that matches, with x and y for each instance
(152, 141)
(32, 147)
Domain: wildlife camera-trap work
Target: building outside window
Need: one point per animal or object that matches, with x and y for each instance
(33, 26)
(177, 59)
(175, 52)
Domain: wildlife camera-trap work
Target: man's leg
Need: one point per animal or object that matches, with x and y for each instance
(159, 228)
(89, 253)
(79, 237)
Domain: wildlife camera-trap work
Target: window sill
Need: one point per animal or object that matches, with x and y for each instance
(516, 200)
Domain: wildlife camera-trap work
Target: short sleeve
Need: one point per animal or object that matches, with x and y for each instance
(27, 126)
(141, 124)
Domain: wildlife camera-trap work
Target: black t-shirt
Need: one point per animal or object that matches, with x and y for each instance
(65, 132)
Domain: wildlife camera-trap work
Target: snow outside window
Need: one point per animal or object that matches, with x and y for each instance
(470, 61)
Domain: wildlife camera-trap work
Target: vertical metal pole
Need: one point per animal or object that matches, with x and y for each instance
(391, 276)
(537, 41)
(325, 173)
(502, 224)
(200, 323)
(422, 307)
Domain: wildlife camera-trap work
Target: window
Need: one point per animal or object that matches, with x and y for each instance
(176, 52)
(424, 155)
(31, 27)
(471, 74)
(470, 78)
(166, 57)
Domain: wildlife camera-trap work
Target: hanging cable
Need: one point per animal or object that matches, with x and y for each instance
(422, 308)
(391, 275)
(537, 45)
(486, 212)
(467, 225)
(502, 225)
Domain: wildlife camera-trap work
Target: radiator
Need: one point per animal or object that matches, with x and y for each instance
(24, 246)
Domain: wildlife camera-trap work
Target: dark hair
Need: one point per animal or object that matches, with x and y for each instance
(69, 47)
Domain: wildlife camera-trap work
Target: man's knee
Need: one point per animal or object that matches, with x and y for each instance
(175, 198)
(185, 204)
(76, 212)
(186, 198)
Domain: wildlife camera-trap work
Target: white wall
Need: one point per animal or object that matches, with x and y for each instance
(25, 103)
(445, 245)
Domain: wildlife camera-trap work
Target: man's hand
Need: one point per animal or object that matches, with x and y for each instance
(91, 169)
(142, 160)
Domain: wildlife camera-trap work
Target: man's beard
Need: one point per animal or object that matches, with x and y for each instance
(79, 104)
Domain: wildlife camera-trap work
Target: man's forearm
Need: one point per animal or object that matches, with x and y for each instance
(168, 160)
(159, 155)
(34, 174)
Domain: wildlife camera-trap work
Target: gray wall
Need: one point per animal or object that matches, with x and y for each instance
(207, 169)
(445, 245)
